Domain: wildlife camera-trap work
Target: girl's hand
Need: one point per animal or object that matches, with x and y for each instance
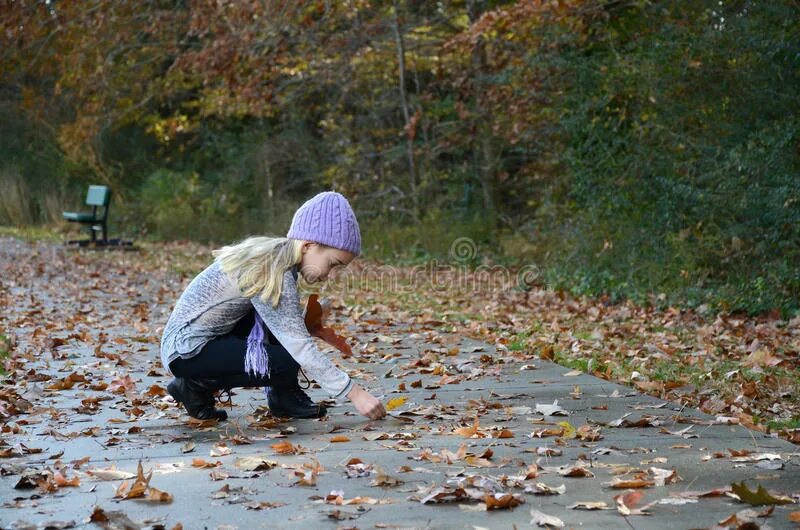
(366, 404)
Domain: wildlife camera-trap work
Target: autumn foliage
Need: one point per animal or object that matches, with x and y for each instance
(628, 148)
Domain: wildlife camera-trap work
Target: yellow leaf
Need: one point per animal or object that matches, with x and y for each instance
(395, 402)
(569, 430)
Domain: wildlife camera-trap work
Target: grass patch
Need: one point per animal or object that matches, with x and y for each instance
(780, 425)
(4, 351)
(591, 364)
(31, 233)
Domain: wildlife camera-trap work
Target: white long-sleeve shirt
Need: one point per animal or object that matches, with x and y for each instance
(212, 304)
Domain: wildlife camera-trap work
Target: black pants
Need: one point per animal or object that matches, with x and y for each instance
(225, 355)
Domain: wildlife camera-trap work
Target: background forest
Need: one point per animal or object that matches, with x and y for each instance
(642, 149)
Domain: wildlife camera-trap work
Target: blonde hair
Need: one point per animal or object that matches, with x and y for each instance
(259, 263)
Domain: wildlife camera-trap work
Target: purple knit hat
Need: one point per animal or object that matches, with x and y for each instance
(327, 218)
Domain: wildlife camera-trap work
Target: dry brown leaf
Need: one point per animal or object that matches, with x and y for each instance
(633, 483)
(201, 424)
(627, 501)
(314, 316)
(219, 449)
(356, 468)
(157, 495)
(305, 477)
(470, 432)
(63, 482)
(385, 481)
(505, 433)
(156, 391)
(123, 384)
(284, 447)
(199, 462)
(502, 501)
(575, 471)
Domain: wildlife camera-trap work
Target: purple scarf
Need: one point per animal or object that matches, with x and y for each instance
(256, 360)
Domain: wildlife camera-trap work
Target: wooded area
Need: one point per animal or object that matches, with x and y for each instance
(644, 149)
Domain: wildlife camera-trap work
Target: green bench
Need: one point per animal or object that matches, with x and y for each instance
(97, 197)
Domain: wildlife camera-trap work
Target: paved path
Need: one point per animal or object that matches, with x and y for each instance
(70, 426)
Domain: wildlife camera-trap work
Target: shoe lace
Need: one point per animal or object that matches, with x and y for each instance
(308, 381)
(229, 402)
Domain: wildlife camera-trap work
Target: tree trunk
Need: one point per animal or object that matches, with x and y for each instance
(401, 59)
(482, 123)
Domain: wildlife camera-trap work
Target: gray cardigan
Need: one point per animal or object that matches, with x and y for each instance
(212, 304)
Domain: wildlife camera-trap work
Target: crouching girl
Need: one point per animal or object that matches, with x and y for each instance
(239, 322)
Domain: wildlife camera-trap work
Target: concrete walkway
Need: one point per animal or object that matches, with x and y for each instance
(611, 433)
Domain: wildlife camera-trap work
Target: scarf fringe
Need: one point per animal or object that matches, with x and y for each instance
(256, 360)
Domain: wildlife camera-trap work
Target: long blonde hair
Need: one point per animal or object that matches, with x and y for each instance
(259, 263)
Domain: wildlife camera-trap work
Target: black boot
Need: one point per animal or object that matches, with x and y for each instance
(197, 397)
(292, 402)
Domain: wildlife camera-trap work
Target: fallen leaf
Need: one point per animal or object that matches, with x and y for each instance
(284, 447)
(262, 505)
(503, 434)
(314, 316)
(141, 489)
(199, 462)
(220, 449)
(542, 519)
(634, 483)
(123, 384)
(355, 468)
(62, 482)
(551, 410)
(502, 501)
(254, 463)
(156, 391)
(396, 402)
(110, 473)
(575, 471)
(589, 505)
(157, 495)
(662, 477)
(627, 501)
(470, 432)
(111, 519)
(385, 481)
(540, 488)
(759, 497)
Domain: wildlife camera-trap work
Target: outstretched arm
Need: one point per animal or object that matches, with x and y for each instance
(288, 326)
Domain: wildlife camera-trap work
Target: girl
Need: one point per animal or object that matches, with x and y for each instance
(239, 322)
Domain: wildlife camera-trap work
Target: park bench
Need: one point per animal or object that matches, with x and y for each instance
(97, 197)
